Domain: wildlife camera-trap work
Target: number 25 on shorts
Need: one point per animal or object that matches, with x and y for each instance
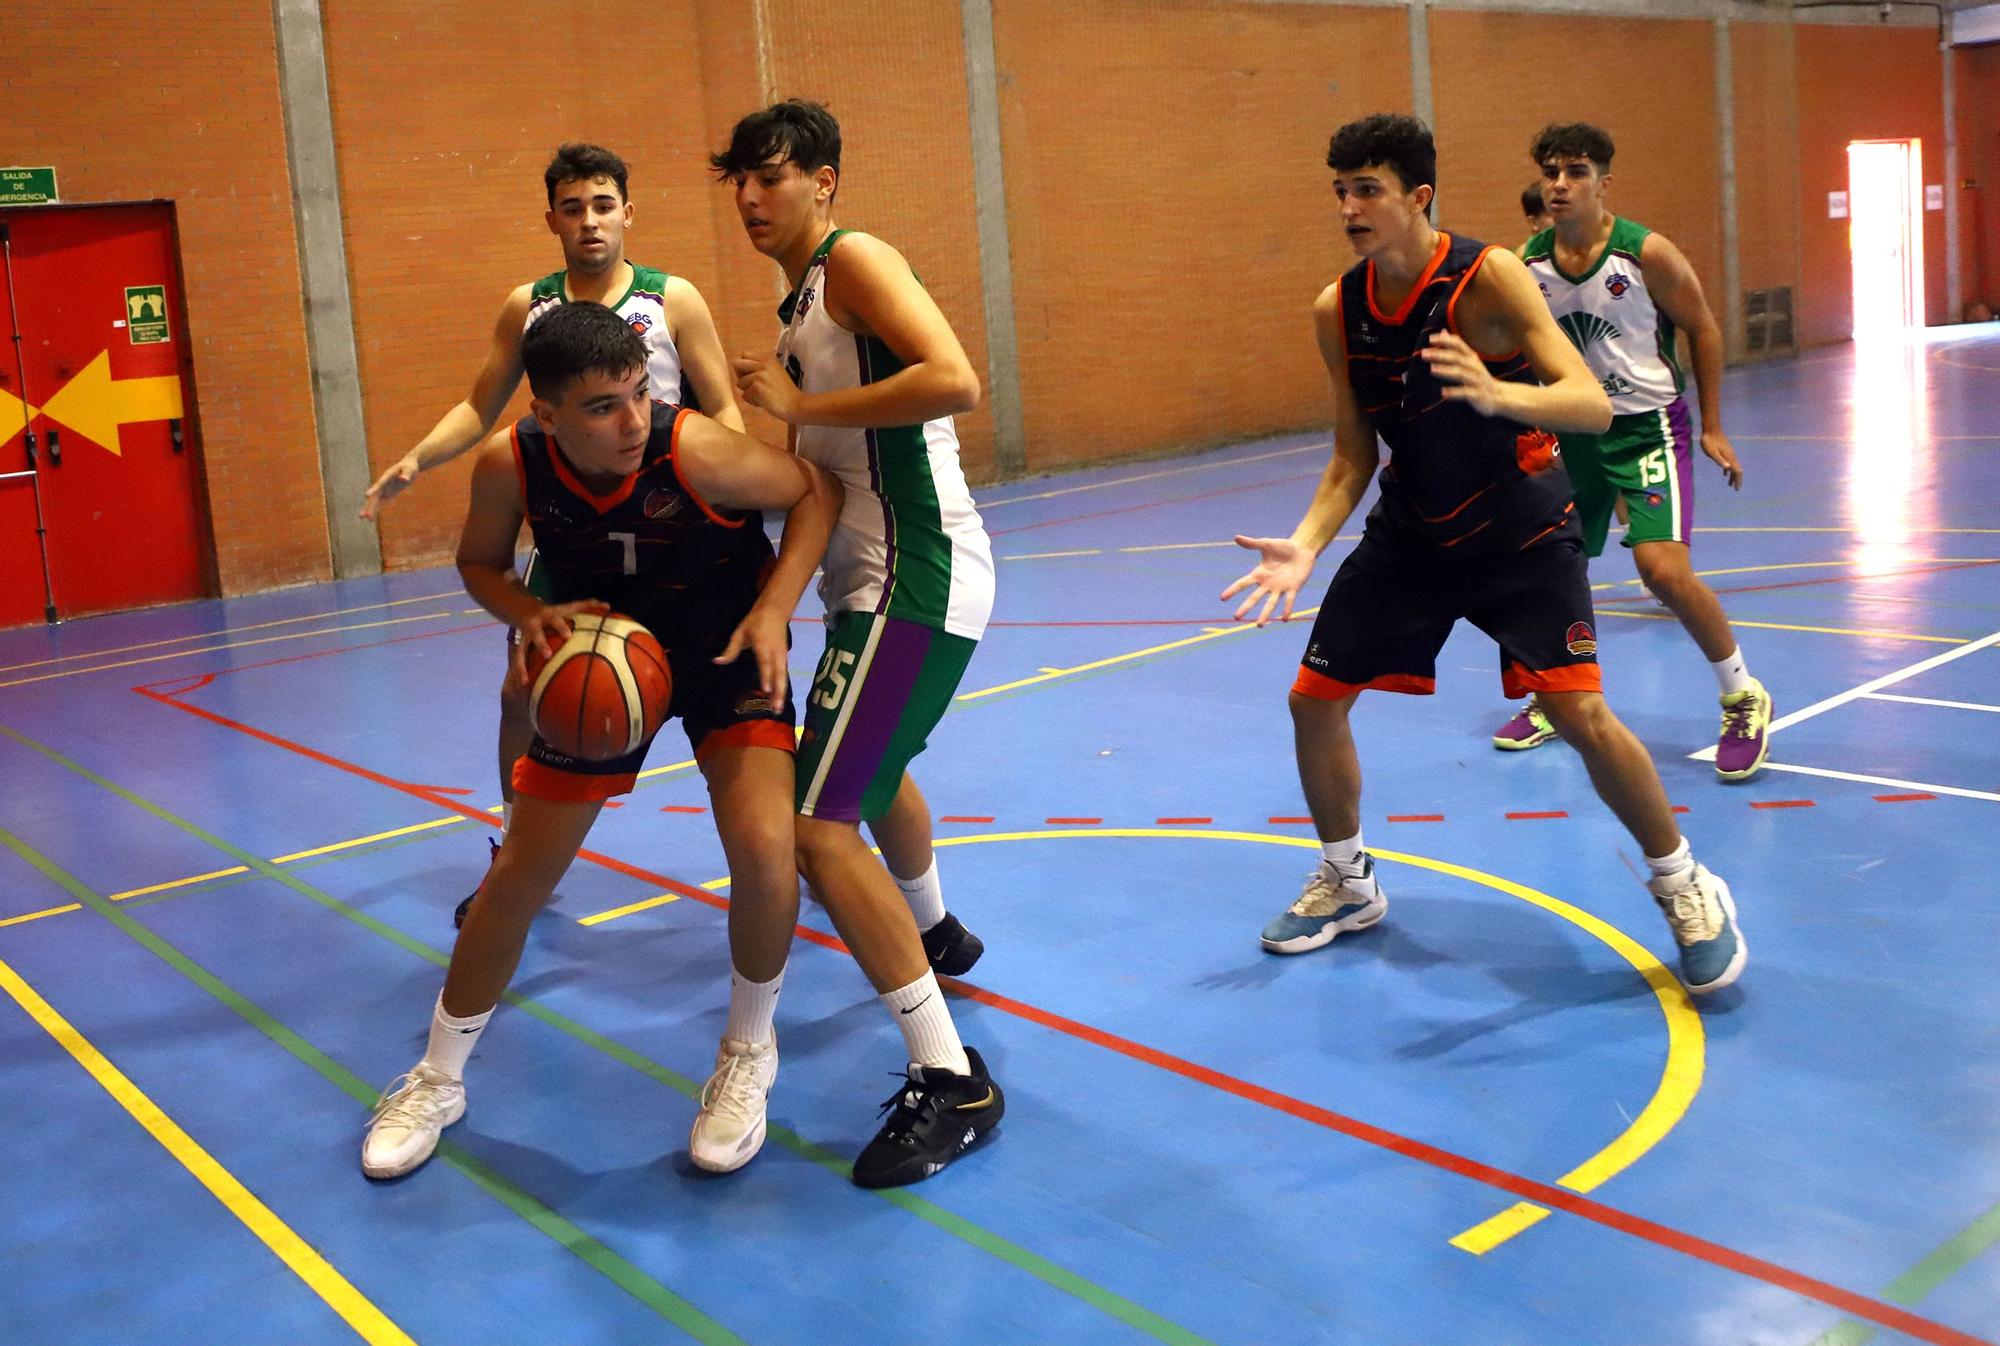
(830, 682)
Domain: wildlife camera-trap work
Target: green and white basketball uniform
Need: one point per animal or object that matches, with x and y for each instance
(1628, 343)
(644, 306)
(909, 550)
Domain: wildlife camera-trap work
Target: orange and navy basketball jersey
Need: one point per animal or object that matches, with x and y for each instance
(651, 548)
(1471, 484)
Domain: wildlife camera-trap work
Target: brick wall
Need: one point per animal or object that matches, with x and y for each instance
(1977, 85)
(1170, 212)
(130, 107)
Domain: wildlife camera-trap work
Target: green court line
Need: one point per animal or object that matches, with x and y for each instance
(1050, 1273)
(1910, 1288)
(601, 1259)
(212, 886)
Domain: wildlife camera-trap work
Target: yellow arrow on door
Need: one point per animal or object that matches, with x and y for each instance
(14, 416)
(94, 404)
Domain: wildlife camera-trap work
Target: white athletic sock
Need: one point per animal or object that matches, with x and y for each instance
(929, 1035)
(1732, 674)
(452, 1041)
(752, 1006)
(1343, 857)
(925, 896)
(1681, 861)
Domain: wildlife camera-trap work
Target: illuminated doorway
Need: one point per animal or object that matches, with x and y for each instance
(1885, 193)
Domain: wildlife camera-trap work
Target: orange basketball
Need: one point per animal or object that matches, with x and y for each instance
(603, 692)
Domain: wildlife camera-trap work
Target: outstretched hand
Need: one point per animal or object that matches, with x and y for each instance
(389, 485)
(1282, 570)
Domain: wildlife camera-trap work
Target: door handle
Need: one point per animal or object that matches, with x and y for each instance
(55, 448)
(174, 430)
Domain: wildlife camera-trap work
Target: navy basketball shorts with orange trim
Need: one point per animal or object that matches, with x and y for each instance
(1390, 608)
(717, 707)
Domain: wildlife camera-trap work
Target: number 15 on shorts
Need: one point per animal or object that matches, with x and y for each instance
(830, 681)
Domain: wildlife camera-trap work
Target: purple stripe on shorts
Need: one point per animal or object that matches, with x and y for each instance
(1681, 426)
(884, 695)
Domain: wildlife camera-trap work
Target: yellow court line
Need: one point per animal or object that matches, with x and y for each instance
(1680, 1079)
(233, 645)
(240, 869)
(1483, 1238)
(1052, 555)
(1821, 528)
(1122, 658)
(368, 1322)
(1155, 476)
(226, 631)
(1789, 626)
(631, 909)
(1824, 565)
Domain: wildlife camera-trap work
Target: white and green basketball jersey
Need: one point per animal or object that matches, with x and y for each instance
(1608, 312)
(910, 543)
(644, 307)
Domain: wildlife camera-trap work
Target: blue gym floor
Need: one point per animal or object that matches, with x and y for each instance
(234, 833)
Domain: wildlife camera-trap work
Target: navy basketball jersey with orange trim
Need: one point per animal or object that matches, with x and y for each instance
(1457, 480)
(652, 548)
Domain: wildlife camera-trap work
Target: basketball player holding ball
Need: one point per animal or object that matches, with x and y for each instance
(650, 510)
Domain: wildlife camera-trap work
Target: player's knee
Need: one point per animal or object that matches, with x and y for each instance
(1310, 713)
(1664, 572)
(1582, 719)
(819, 844)
(516, 888)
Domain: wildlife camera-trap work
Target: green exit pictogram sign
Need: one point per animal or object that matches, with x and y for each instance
(146, 314)
(27, 186)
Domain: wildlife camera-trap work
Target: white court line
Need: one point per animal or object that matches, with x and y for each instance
(1154, 476)
(1925, 786)
(1874, 685)
(1932, 701)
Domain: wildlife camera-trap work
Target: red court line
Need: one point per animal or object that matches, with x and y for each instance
(1680, 808)
(171, 686)
(1553, 813)
(961, 818)
(1543, 1193)
(1661, 1235)
(1901, 799)
(1073, 822)
(1782, 804)
(1289, 822)
(1153, 504)
(1181, 822)
(683, 808)
(1416, 817)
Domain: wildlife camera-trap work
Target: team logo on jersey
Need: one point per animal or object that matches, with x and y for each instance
(756, 703)
(661, 504)
(1618, 283)
(640, 322)
(1585, 328)
(806, 297)
(1653, 499)
(1580, 639)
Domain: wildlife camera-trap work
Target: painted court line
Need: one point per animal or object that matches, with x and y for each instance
(1933, 701)
(319, 1275)
(1912, 1286)
(1543, 1193)
(570, 1237)
(600, 1257)
(1873, 633)
(1864, 779)
(985, 505)
(1839, 699)
(233, 645)
(228, 631)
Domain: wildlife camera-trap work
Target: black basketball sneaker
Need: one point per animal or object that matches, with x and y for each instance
(934, 1117)
(952, 948)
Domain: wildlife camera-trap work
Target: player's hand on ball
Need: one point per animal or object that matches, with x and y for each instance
(1282, 570)
(762, 633)
(762, 382)
(546, 628)
(1464, 375)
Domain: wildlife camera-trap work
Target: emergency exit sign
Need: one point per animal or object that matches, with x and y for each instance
(27, 186)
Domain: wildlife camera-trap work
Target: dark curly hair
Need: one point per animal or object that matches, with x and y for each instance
(578, 162)
(575, 339)
(795, 131)
(1402, 143)
(1573, 140)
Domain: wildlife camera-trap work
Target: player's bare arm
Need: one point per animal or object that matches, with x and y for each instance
(465, 424)
(871, 291)
(736, 472)
(1286, 563)
(486, 557)
(703, 365)
(1676, 290)
(1502, 311)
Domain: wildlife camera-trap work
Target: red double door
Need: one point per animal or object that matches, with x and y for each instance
(96, 415)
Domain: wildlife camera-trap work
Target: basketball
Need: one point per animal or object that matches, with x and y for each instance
(603, 692)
